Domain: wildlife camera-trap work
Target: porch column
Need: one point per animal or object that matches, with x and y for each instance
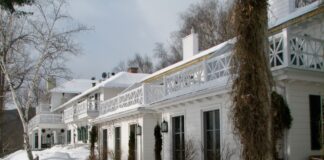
(32, 139)
(39, 138)
(55, 137)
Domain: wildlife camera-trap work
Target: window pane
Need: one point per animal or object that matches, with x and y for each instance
(209, 120)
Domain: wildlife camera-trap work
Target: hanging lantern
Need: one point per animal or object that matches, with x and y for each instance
(138, 130)
(62, 130)
(43, 130)
(164, 126)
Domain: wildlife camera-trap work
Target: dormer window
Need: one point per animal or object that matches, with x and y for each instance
(303, 3)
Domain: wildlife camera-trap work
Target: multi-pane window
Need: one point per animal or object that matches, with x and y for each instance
(178, 138)
(117, 143)
(132, 141)
(83, 134)
(212, 135)
(315, 120)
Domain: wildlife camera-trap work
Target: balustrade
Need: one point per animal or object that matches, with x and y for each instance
(44, 119)
(144, 94)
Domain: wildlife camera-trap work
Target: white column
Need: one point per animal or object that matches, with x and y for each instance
(55, 137)
(39, 138)
(286, 46)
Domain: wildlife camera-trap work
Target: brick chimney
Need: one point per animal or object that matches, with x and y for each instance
(132, 70)
(190, 45)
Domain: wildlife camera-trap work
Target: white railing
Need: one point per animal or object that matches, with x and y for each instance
(68, 113)
(301, 52)
(215, 68)
(44, 119)
(86, 106)
(144, 94)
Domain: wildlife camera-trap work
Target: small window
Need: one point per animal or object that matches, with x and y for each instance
(315, 120)
(117, 143)
(178, 138)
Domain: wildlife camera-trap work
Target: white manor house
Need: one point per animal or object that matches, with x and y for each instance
(191, 100)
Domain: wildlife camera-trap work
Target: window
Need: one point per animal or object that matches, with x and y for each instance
(117, 143)
(132, 140)
(178, 138)
(212, 135)
(36, 140)
(68, 136)
(105, 143)
(83, 134)
(315, 120)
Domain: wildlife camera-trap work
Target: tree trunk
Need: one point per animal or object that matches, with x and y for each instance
(252, 80)
(26, 141)
(2, 105)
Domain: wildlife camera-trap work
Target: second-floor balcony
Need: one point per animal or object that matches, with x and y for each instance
(295, 51)
(142, 95)
(45, 120)
(85, 109)
(286, 51)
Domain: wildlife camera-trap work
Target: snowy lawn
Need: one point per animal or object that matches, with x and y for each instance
(54, 153)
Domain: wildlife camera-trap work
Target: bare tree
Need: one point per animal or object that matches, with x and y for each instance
(143, 63)
(121, 66)
(212, 22)
(36, 45)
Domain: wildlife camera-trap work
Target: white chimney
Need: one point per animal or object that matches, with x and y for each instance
(190, 45)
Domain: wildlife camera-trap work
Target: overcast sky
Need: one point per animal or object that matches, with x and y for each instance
(121, 28)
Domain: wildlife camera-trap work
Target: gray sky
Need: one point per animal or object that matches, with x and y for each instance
(121, 29)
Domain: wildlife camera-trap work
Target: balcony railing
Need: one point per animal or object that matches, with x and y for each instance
(302, 52)
(144, 94)
(82, 109)
(44, 119)
(213, 69)
(68, 114)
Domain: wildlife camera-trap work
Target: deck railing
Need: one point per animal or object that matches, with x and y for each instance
(302, 52)
(215, 68)
(144, 94)
(44, 119)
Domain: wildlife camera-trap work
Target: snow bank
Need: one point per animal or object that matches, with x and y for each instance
(54, 153)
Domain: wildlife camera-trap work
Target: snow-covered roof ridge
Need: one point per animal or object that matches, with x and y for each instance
(120, 80)
(73, 86)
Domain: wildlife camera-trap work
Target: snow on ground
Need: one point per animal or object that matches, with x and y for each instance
(54, 153)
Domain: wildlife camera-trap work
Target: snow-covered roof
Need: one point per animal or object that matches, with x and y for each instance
(73, 86)
(120, 80)
(295, 14)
